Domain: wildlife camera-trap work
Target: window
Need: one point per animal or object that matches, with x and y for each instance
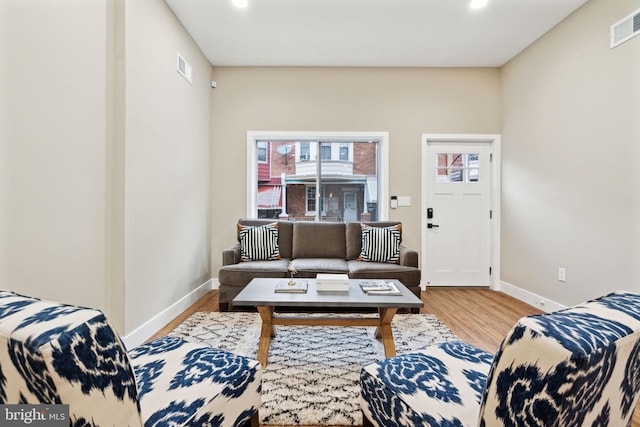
(457, 167)
(305, 153)
(344, 152)
(348, 169)
(325, 151)
(312, 199)
(262, 151)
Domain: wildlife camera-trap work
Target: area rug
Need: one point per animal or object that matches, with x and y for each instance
(312, 374)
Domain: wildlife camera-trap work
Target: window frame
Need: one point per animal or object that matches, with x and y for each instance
(381, 138)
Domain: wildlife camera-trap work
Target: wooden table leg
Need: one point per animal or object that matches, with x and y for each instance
(384, 330)
(268, 331)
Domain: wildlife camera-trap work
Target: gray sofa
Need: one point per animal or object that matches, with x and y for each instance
(314, 247)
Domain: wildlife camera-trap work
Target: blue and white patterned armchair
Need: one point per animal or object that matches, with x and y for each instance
(53, 353)
(575, 367)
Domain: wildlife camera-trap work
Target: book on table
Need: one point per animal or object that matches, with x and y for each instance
(379, 287)
(292, 286)
(332, 282)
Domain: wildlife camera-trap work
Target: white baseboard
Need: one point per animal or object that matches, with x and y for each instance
(530, 298)
(153, 325)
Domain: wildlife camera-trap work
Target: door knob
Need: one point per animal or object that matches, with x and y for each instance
(432, 225)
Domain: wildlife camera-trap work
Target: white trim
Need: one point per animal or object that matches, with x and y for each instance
(530, 298)
(495, 197)
(153, 325)
(383, 161)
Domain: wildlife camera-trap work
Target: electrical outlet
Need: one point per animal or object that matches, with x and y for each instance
(562, 274)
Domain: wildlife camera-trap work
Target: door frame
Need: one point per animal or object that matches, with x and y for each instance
(495, 195)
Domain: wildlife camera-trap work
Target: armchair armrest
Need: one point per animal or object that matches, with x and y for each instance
(439, 385)
(408, 257)
(231, 255)
(183, 383)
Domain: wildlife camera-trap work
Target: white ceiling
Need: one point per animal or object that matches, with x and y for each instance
(374, 33)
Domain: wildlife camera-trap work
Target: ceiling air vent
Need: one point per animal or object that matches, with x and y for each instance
(625, 29)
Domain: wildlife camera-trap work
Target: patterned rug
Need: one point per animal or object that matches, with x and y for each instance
(312, 374)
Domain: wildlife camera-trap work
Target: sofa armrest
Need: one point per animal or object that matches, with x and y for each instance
(408, 257)
(231, 255)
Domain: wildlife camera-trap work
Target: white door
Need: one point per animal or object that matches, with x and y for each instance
(457, 182)
(350, 211)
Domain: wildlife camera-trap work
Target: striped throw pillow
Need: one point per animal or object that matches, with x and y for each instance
(259, 243)
(381, 244)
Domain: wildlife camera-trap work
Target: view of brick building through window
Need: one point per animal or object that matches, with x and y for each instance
(288, 174)
(457, 167)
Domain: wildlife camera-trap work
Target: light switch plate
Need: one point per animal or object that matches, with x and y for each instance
(404, 201)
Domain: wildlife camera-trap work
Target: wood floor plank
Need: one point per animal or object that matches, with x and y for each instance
(479, 316)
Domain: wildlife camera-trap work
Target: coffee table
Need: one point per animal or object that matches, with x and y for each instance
(260, 293)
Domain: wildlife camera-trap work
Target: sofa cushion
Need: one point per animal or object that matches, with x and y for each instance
(409, 276)
(381, 244)
(241, 274)
(259, 243)
(309, 267)
(354, 236)
(285, 233)
(319, 240)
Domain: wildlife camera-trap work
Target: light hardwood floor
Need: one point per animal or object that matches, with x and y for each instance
(478, 316)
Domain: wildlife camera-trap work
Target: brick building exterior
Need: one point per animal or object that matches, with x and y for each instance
(348, 184)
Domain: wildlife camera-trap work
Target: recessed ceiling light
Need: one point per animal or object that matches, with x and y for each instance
(240, 4)
(478, 4)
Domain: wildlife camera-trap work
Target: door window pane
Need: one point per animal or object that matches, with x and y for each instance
(457, 167)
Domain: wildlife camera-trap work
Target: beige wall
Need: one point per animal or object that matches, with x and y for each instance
(52, 150)
(167, 158)
(571, 168)
(404, 102)
(104, 156)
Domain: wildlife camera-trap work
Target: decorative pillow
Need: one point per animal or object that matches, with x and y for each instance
(381, 244)
(259, 243)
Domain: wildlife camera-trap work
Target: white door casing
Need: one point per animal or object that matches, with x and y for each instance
(460, 184)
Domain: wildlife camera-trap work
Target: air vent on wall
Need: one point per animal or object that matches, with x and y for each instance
(184, 69)
(625, 29)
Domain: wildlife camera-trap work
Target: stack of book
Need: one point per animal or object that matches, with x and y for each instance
(332, 282)
(292, 286)
(379, 287)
